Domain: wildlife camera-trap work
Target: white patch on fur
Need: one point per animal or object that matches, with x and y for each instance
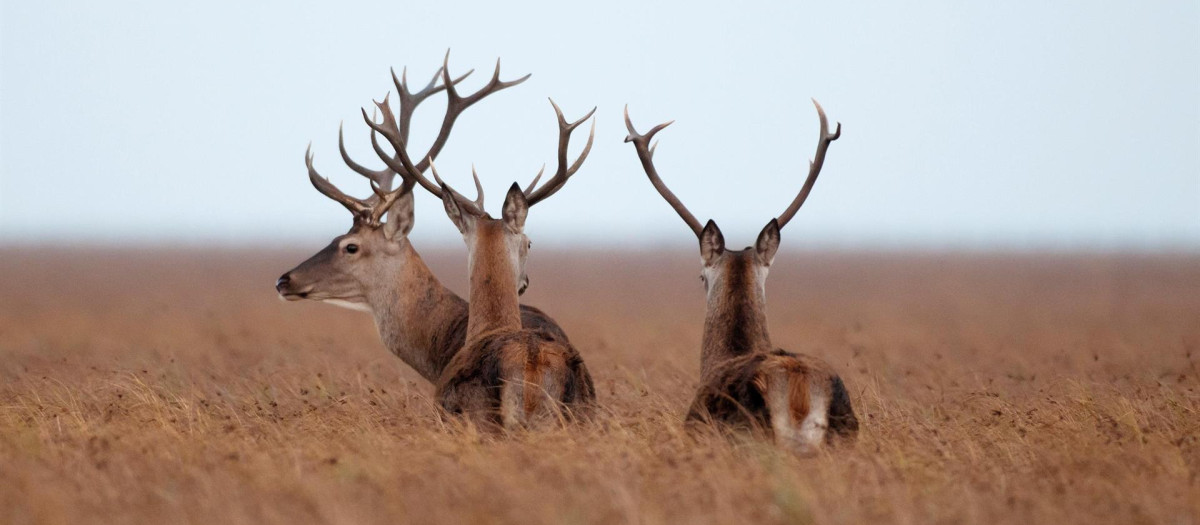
(550, 392)
(516, 243)
(352, 305)
(812, 429)
(780, 407)
(512, 410)
(804, 437)
(760, 278)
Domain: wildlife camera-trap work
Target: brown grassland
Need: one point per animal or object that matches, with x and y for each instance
(172, 386)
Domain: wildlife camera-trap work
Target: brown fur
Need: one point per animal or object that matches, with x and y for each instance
(472, 384)
(738, 370)
(500, 353)
(493, 288)
(734, 391)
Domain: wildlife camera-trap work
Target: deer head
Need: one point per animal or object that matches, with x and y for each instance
(374, 251)
(352, 263)
(502, 243)
(727, 272)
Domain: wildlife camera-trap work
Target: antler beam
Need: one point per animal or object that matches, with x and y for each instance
(645, 152)
(814, 165)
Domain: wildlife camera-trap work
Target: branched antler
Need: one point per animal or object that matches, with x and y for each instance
(564, 171)
(474, 207)
(371, 210)
(356, 206)
(814, 165)
(645, 152)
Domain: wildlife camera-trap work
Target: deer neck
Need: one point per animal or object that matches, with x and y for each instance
(416, 315)
(735, 322)
(493, 297)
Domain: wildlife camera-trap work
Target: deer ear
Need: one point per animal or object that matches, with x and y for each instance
(463, 221)
(768, 242)
(400, 217)
(516, 208)
(712, 243)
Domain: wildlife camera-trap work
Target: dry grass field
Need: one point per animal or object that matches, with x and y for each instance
(172, 386)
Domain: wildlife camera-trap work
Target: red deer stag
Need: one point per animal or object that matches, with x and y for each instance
(745, 381)
(374, 268)
(507, 373)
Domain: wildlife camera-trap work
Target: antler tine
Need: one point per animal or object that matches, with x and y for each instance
(357, 207)
(493, 85)
(814, 165)
(383, 177)
(564, 172)
(646, 154)
(536, 178)
(466, 204)
(478, 189)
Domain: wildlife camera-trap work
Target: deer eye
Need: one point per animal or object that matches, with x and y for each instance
(351, 248)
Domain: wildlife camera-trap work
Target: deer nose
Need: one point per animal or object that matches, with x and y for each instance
(281, 285)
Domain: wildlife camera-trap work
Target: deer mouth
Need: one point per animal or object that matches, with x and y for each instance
(294, 296)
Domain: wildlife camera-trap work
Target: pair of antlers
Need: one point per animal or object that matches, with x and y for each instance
(645, 152)
(396, 131)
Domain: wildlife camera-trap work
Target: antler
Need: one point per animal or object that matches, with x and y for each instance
(474, 207)
(409, 100)
(564, 171)
(814, 165)
(396, 133)
(386, 199)
(645, 152)
(408, 104)
(358, 207)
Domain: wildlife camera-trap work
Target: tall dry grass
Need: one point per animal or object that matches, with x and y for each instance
(154, 386)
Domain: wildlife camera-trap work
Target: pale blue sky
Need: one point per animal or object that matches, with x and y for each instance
(969, 124)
